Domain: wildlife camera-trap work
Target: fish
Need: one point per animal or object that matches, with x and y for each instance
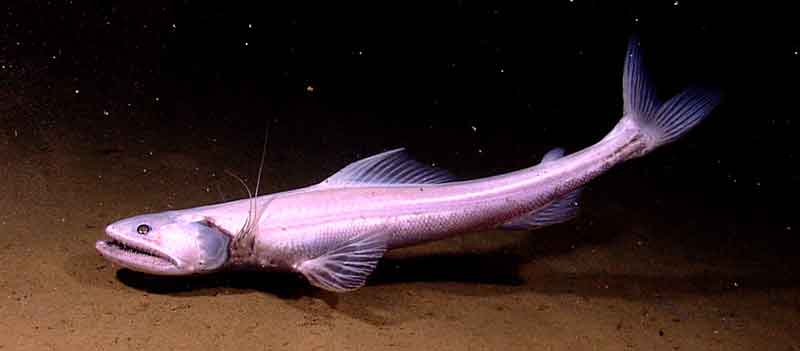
(335, 232)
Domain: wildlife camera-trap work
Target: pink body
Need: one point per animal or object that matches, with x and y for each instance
(335, 232)
(413, 214)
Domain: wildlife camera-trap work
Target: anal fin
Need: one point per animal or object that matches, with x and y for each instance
(559, 211)
(346, 266)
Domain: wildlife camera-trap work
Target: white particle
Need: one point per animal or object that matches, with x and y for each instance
(16, 133)
(77, 91)
(675, 3)
(53, 57)
(788, 228)
(474, 128)
(250, 26)
(502, 70)
(174, 26)
(106, 113)
(480, 151)
(796, 52)
(309, 88)
(636, 19)
(246, 43)
(144, 170)
(157, 99)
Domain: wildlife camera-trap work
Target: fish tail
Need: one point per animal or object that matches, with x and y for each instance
(659, 122)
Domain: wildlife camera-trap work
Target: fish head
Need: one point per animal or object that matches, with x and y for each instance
(166, 243)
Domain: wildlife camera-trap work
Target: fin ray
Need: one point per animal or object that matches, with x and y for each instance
(661, 122)
(390, 167)
(558, 211)
(346, 267)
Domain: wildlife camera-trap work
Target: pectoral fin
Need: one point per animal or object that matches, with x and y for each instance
(346, 266)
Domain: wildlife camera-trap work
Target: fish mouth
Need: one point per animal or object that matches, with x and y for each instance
(136, 256)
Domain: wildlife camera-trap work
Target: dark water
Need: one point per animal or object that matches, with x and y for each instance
(113, 110)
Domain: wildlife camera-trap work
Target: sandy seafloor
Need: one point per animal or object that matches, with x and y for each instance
(644, 267)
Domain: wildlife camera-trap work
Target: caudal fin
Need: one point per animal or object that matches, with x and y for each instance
(660, 122)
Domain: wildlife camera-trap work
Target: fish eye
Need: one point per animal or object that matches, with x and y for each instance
(143, 229)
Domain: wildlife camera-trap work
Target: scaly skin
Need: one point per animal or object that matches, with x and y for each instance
(335, 232)
(297, 225)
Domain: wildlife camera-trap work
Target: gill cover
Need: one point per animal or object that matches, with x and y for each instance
(202, 248)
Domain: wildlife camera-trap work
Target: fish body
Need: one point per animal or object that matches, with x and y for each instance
(335, 232)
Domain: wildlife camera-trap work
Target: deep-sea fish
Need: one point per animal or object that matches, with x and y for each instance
(335, 232)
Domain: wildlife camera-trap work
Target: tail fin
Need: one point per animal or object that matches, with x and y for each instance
(661, 122)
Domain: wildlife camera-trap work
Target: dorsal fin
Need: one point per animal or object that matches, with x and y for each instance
(390, 167)
(553, 154)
